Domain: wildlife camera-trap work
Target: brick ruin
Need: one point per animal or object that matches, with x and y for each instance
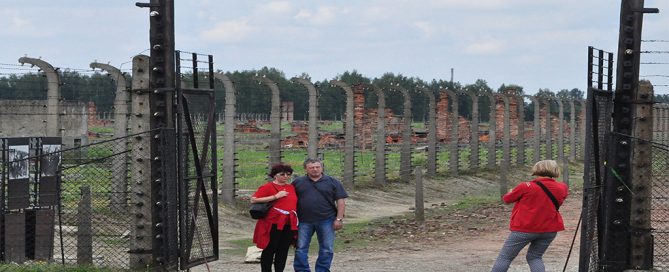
(365, 121)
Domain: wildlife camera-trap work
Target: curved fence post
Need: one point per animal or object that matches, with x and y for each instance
(274, 119)
(549, 129)
(474, 142)
(454, 149)
(349, 135)
(572, 130)
(560, 132)
(506, 137)
(54, 125)
(536, 144)
(228, 190)
(431, 131)
(492, 128)
(405, 153)
(119, 185)
(312, 143)
(380, 150)
(582, 115)
(520, 143)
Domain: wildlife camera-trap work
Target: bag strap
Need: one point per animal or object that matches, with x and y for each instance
(550, 195)
(322, 194)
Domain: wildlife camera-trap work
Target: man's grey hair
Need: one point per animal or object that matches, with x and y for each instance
(310, 161)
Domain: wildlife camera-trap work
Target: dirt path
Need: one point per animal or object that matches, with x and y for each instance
(460, 241)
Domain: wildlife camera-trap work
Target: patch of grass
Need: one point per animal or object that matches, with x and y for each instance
(473, 202)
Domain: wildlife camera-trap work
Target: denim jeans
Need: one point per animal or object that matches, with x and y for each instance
(325, 234)
(516, 241)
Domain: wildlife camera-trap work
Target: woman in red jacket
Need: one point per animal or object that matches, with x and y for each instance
(535, 218)
(277, 230)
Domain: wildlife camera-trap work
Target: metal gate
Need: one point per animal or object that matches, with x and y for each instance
(196, 148)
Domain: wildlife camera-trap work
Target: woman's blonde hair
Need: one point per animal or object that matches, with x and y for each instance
(546, 168)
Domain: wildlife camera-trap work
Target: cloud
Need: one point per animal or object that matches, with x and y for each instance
(228, 31)
(485, 47)
(426, 28)
(324, 15)
(15, 22)
(277, 7)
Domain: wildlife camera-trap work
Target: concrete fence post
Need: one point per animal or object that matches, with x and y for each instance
(492, 129)
(84, 228)
(582, 130)
(506, 137)
(141, 232)
(454, 148)
(431, 131)
(274, 119)
(474, 142)
(380, 150)
(405, 153)
(520, 142)
(119, 186)
(419, 199)
(228, 190)
(312, 133)
(349, 135)
(549, 129)
(536, 139)
(572, 130)
(560, 132)
(54, 123)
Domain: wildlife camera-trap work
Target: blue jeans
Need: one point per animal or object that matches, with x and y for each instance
(516, 241)
(326, 236)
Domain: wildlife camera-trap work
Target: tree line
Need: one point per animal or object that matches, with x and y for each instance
(253, 97)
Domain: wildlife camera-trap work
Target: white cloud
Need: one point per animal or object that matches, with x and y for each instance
(15, 22)
(426, 28)
(485, 47)
(323, 15)
(228, 31)
(277, 7)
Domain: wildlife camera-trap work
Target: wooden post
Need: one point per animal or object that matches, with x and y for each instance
(420, 208)
(84, 228)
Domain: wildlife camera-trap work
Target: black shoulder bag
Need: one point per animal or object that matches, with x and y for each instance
(550, 195)
(259, 210)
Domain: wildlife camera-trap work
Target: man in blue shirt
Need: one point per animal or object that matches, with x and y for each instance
(316, 197)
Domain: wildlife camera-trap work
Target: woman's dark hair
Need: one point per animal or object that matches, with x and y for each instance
(280, 168)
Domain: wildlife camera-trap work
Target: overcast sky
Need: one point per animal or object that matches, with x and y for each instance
(532, 43)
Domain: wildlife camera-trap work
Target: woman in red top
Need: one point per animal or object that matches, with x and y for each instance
(535, 218)
(276, 232)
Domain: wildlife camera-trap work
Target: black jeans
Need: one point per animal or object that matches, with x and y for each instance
(277, 250)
